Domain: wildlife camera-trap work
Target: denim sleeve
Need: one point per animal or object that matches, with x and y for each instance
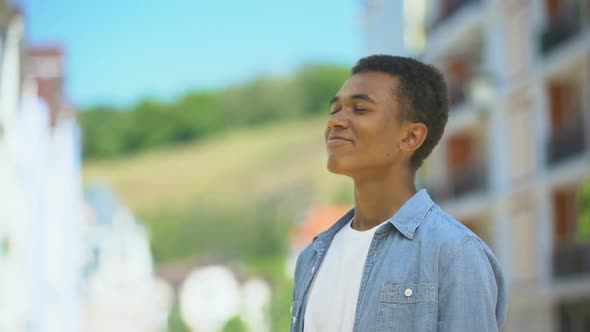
(300, 268)
(471, 290)
(295, 284)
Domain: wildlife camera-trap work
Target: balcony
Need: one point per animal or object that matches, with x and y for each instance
(457, 95)
(571, 259)
(564, 23)
(460, 69)
(438, 193)
(566, 142)
(471, 179)
(574, 315)
(557, 34)
(449, 8)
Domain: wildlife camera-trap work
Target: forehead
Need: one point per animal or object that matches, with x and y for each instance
(379, 86)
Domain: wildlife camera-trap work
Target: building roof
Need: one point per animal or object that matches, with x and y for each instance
(317, 219)
(46, 50)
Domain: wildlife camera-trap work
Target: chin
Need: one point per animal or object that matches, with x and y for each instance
(336, 166)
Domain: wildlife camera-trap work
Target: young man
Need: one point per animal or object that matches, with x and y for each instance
(396, 262)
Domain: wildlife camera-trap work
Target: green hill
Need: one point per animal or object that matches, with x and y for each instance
(234, 194)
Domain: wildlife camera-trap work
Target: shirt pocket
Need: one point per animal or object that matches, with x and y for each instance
(407, 307)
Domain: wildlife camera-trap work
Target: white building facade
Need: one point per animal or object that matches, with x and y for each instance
(48, 283)
(122, 292)
(40, 191)
(14, 299)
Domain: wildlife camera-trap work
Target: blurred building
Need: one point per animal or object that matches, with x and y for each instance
(121, 292)
(394, 27)
(52, 169)
(517, 145)
(14, 298)
(46, 65)
(40, 192)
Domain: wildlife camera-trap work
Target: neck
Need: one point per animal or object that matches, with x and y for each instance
(378, 197)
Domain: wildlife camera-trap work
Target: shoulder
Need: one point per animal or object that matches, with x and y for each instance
(443, 229)
(452, 238)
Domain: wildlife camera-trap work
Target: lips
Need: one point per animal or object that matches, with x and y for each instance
(337, 140)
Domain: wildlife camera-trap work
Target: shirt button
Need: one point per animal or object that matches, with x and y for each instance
(408, 292)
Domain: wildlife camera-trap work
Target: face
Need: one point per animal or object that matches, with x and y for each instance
(364, 133)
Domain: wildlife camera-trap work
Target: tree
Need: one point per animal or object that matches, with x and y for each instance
(111, 131)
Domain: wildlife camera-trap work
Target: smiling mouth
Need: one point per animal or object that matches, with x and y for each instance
(337, 141)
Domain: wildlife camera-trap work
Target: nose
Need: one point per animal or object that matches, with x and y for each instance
(338, 120)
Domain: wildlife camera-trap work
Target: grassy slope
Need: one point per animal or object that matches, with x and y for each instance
(229, 171)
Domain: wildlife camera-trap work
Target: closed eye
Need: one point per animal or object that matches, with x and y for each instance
(360, 110)
(335, 111)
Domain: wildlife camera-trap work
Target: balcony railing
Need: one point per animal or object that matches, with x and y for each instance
(560, 31)
(573, 259)
(451, 9)
(457, 95)
(471, 179)
(438, 193)
(566, 142)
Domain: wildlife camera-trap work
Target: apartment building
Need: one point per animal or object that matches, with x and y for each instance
(40, 187)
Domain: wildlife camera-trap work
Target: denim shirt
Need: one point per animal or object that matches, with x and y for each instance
(424, 271)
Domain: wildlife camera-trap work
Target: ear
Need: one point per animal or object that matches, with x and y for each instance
(414, 134)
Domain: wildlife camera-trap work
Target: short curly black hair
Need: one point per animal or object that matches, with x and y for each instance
(422, 94)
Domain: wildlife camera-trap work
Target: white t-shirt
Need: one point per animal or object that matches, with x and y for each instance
(331, 306)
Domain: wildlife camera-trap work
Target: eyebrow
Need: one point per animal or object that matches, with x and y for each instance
(360, 96)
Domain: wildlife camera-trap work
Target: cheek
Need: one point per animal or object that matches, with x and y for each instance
(381, 138)
(384, 144)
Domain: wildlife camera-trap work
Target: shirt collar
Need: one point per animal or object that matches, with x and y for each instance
(406, 220)
(410, 215)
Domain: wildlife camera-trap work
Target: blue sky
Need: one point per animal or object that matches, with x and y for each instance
(120, 51)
